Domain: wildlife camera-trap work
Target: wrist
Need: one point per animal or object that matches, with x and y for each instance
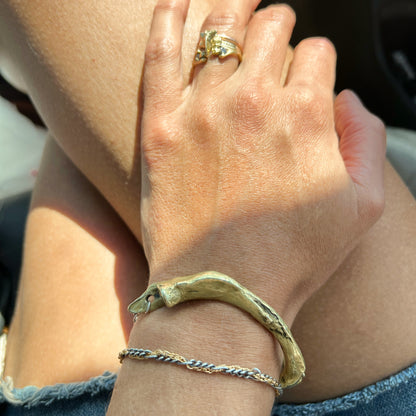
(211, 334)
(277, 291)
(210, 331)
(216, 286)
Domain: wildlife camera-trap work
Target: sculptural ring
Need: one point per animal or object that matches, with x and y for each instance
(213, 44)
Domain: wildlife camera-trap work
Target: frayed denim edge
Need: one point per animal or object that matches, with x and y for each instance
(363, 396)
(31, 396)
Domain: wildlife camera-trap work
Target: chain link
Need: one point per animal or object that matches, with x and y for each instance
(197, 365)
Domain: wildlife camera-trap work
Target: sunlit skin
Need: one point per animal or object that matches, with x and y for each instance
(93, 114)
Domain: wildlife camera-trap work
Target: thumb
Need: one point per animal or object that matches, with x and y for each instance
(363, 148)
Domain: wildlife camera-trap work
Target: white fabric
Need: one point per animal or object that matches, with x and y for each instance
(3, 343)
(401, 151)
(21, 146)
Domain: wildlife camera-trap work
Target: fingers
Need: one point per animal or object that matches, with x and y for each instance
(229, 18)
(162, 80)
(363, 148)
(286, 66)
(267, 41)
(313, 64)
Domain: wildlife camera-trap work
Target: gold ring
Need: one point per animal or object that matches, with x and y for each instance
(213, 44)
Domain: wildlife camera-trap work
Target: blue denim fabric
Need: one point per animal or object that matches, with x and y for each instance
(394, 396)
(84, 405)
(85, 398)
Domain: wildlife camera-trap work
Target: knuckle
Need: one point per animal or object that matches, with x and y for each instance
(374, 206)
(378, 125)
(321, 44)
(168, 6)
(228, 20)
(309, 101)
(281, 13)
(161, 50)
(303, 98)
(311, 109)
(252, 102)
(159, 141)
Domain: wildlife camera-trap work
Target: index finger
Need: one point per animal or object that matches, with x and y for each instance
(163, 56)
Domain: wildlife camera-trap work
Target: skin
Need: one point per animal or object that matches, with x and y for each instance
(83, 108)
(80, 267)
(217, 186)
(45, 60)
(358, 328)
(98, 105)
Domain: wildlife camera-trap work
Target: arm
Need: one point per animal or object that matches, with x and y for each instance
(267, 196)
(62, 40)
(81, 63)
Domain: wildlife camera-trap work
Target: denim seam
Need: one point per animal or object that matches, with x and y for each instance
(348, 401)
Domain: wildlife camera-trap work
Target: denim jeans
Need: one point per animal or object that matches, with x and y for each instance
(394, 396)
(87, 398)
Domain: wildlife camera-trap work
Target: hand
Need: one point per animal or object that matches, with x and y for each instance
(270, 184)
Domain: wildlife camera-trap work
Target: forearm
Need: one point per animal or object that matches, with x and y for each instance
(203, 210)
(80, 264)
(85, 82)
(82, 63)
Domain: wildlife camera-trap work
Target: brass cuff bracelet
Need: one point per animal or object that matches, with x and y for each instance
(217, 286)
